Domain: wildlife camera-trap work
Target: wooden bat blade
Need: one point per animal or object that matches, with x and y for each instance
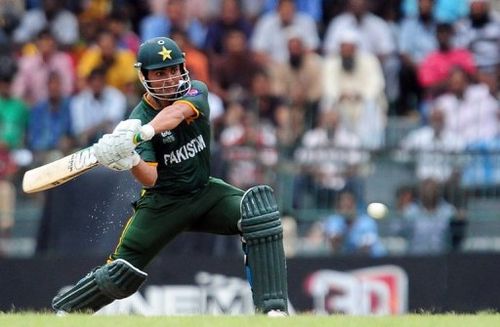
(59, 172)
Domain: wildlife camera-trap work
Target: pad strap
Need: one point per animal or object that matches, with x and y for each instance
(115, 280)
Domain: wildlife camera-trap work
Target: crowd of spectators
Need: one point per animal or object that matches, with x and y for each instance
(287, 79)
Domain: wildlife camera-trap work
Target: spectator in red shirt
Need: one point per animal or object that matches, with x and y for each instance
(435, 68)
(31, 81)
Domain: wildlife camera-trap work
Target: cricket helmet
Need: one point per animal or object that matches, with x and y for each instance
(159, 53)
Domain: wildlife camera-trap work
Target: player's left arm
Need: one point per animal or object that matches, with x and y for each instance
(193, 105)
(171, 116)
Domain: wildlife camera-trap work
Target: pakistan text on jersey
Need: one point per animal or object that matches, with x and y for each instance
(187, 151)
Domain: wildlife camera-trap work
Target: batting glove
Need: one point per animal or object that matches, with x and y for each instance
(111, 148)
(125, 163)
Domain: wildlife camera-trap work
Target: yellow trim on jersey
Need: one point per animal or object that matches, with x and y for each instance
(115, 252)
(148, 101)
(152, 164)
(190, 119)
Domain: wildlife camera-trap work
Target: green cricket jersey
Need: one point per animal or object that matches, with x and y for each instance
(182, 154)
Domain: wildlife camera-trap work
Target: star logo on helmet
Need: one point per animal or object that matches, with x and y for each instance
(165, 54)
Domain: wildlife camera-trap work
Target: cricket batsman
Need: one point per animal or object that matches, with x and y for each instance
(178, 192)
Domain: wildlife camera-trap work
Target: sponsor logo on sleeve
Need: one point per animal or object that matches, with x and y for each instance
(192, 92)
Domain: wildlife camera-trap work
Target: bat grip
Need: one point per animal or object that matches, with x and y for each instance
(145, 134)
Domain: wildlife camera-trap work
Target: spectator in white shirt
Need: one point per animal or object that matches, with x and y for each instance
(375, 37)
(353, 84)
(375, 34)
(433, 148)
(331, 158)
(96, 109)
(470, 110)
(62, 23)
(480, 33)
(269, 40)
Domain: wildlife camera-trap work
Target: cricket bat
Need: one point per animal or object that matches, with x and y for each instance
(65, 169)
(60, 171)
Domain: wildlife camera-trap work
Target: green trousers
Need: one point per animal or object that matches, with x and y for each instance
(158, 218)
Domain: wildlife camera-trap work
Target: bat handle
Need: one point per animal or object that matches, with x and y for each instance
(145, 134)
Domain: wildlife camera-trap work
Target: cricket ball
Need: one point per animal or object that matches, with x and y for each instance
(377, 210)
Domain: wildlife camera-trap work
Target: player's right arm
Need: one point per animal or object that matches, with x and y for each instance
(167, 119)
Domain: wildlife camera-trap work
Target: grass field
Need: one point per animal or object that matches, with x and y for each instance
(50, 320)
